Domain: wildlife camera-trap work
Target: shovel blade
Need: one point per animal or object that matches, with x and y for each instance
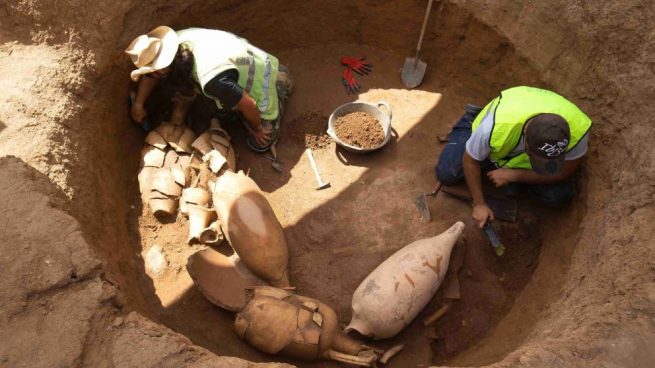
(413, 72)
(423, 208)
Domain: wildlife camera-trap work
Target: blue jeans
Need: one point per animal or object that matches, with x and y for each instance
(450, 170)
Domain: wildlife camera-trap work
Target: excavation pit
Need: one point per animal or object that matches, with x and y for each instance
(509, 306)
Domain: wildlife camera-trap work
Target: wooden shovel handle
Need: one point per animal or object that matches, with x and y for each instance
(425, 23)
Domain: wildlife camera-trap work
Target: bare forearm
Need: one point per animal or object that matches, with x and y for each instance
(250, 111)
(473, 178)
(146, 86)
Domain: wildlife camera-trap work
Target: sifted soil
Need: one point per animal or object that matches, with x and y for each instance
(359, 129)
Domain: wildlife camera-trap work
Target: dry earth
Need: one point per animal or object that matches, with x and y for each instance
(577, 287)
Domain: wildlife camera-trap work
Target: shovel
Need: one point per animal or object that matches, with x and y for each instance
(414, 68)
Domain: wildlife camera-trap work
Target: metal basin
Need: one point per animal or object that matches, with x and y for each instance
(374, 109)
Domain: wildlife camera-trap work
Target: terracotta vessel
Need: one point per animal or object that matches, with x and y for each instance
(251, 227)
(222, 280)
(398, 289)
(278, 321)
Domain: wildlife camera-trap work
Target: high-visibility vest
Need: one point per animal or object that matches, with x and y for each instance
(217, 51)
(513, 108)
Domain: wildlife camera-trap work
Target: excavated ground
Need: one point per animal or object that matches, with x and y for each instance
(575, 287)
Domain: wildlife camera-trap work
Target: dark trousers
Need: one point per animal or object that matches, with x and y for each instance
(450, 170)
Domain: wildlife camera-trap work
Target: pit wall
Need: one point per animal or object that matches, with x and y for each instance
(598, 310)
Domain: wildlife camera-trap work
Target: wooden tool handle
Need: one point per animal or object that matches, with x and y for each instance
(425, 23)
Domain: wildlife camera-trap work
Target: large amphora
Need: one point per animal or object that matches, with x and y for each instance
(252, 227)
(398, 289)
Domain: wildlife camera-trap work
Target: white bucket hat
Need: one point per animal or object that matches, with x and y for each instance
(152, 51)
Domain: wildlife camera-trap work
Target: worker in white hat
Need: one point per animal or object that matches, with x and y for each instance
(226, 68)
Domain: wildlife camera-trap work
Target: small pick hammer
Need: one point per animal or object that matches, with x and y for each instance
(321, 184)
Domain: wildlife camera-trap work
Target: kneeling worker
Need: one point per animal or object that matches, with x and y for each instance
(525, 136)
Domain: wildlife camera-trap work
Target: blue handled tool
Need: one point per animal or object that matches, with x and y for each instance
(493, 238)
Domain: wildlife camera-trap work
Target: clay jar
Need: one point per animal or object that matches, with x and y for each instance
(279, 321)
(398, 289)
(222, 280)
(252, 228)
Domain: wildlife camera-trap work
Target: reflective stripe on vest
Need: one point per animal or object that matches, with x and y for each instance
(217, 51)
(513, 108)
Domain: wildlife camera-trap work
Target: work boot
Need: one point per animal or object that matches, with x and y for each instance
(472, 111)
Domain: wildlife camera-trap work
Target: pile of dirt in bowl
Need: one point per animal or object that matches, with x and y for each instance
(309, 129)
(359, 129)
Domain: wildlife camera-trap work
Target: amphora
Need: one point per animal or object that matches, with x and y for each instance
(398, 289)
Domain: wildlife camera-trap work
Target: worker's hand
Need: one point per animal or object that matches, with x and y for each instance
(352, 87)
(261, 135)
(482, 213)
(138, 113)
(357, 64)
(501, 177)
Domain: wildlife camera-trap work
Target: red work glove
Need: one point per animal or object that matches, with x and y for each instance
(352, 87)
(357, 64)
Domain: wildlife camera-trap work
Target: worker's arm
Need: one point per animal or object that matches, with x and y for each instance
(481, 212)
(146, 86)
(250, 111)
(502, 177)
(225, 88)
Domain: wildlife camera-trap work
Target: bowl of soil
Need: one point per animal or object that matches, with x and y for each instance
(360, 126)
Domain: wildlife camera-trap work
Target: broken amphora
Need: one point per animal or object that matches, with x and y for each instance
(251, 227)
(398, 289)
(221, 279)
(279, 321)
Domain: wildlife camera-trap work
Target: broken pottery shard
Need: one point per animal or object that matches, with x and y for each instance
(152, 157)
(155, 139)
(215, 159)
(199, 218)
(220, 140)
(162, 206)
(278, 321)
(164, 182)
(185, 141)
(203, 144)
(222, 280)
(197, 196)
(184, 160)
(212, 234)
(251, 227)
(178, 174)
(196, 160)
(398, 289)
(145, 182)
(170, 159)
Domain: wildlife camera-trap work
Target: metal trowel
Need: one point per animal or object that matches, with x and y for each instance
(422, 203)
(275, 164)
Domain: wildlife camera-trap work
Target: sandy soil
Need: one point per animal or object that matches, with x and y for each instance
(359, 129)
(575, 288)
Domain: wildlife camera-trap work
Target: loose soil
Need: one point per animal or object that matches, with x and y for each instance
(359, 129)
(574, 288)
(309, 130)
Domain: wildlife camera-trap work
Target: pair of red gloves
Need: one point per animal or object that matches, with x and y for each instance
(357, 65)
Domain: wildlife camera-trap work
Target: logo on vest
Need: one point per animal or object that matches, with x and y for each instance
(554, 149)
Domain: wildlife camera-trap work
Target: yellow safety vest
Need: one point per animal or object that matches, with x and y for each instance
(217, 51)
(513, 108)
